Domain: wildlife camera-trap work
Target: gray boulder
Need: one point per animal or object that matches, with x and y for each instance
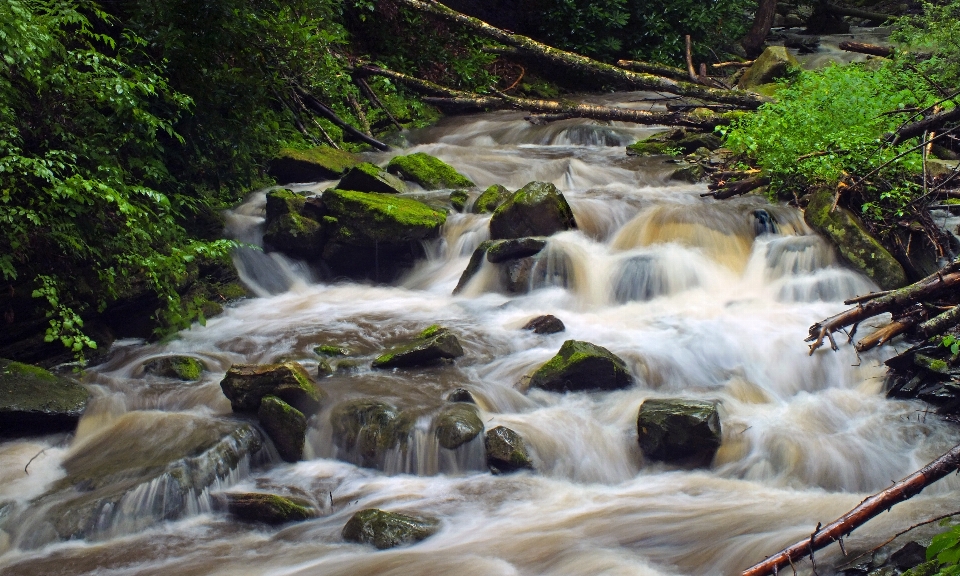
(366, 429)
(388, 529)
(433, 344)
(34, 401)
(679, 431)
(285, 425)
(506, 451)
(537, 209)
(246, 385)
(582, 366)
(458, 425)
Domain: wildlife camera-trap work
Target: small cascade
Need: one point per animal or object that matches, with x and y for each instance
(652, 274)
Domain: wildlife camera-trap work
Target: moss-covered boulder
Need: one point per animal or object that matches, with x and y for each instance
(320, 163)
(679, 431)
(537, 209)
(687, 172)
(490, 199)
(775, 62)
(854, 243)
(458, 199)
(186, 368)
(674, 141)
(266, 508)
(582, 366)
(388, 529)
(330, 350)
(366, 429)
(367, 177)
(285, 425)
(547, 324)
(246, 385)
(473, 266)
(428, 171)
(458, 425)
(34, 401)
(283, 201)
(324, 368)
(514, 249)
(506, 451)
(295, 235)
(433, 344)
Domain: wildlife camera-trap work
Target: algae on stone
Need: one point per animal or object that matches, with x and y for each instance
(428, 171)
(295, 235)
(365, 219)
(434, 343)
(367, 177)
(267, 508)
(246, 385)
(388, 529)
(34, 401)
(186, 368)
(458, 199)
(490, 199)
(537, 209)
(582, 366)
(285, 425)
(457, 425)
(775, 62)
(319, 163)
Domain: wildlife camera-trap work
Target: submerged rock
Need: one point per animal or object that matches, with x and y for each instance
(679, 431)
(547, 324)
(388, 529)
(186, 368)
(246, 384)
(267, 508)
(367, 429)
(490, 199)
(285, 425)
(582, 366)
(461, 395)
(458, 425)
(434, 343)
(537, 209)
(506, 451)
(34, 401)
(367, 177)
(320, 163)
(428, 171)
(775, 62)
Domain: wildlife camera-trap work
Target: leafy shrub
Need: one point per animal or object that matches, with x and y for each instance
(945, 549)
(931, 42)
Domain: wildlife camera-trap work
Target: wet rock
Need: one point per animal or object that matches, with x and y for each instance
(34, 401)
(855, 244)
(516, 275)
(428, 171)
(537, 209)
(331, 350)
(582, 366)
(434, 343)
(366, 177)
(366, 429)
(283, 201)
(285, 425)
(931, 568)
(461, 395)
(679, 431)
(687, 172)
(775, 62)
(490, 199)
(186, 368)
(514, 249)
(324, 369)
(295, 235)
(320, 163)
(388, 529)
(267, 508)
(246, 384)
(506, 451)
(347, 366)
(547, 324)
(458, 425)
(676, 141)
(458, 199)
(764, 223)
(476, 260)
(910, 555)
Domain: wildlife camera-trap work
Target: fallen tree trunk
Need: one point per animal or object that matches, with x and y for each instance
(932, 122)
(319, 108)
(864, 48)
(623, 79)
(870, 507)
(731, 189)
(655, 69)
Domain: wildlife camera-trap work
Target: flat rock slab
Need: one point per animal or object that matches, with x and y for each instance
(34, 401)
(366, 177)
(388, 529)
(580, 366)
(514, 249)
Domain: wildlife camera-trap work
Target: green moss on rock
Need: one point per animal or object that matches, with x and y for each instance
(458, 199)
(428, 171)
(34, 401)
(490, 199)
(506, 451)
(295, 235)
(285, 425)
(775, 62)
(457, 425)
(388, 529)
(186, 368)
(433, 344)
(679, 431)
(367, 177)
(582, 366)
(319, 163)
(537, 209)
(267, 508)
(246, 385)
(366, 219)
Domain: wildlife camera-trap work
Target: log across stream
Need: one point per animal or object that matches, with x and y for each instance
(703, 299)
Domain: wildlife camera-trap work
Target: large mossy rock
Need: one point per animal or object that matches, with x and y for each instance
(186, 368)
(458, 425)
(490, 199)
(320, 163)
(34, 401)
(267, 508)
(388, 529)
(295, 235)
(433, 344)
(852, 240)
(679, 431)
(537, 209)
(582, 366)
(366, 429)
(246, 385)
(675, 140)
(506, 451)
(367, 177)
(285, 425)
(775, 62)
(429, 172)
(283, 201)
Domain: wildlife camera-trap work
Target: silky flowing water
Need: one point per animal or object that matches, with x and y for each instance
(703, 299)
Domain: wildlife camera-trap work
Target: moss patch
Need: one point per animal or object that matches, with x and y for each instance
(388, 529)
(489, 199)
(428, 171)
(268, 508)
(186, 368)
(367, 177)
(458, 199)
(367, 218)
(582, 366)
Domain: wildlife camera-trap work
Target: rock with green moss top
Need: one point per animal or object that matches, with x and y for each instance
(537, 209)
(458, 199)
(246, 385)
(186, 368)
(433, 344)
(775, 62)
(267, 508)
(34, 401)
(490, 199)
(674, 141)
(388, 529)
(687, 172)
(933, 364)
(285, 425)
(428, 171)
(582, 366)
(514, 249)
(679, 431)
(283, 201)
(366, 429)
(473, 266)
(324, 369)
(855, 244)
(320, 163)
(929, 568)
(331, 350)
(457, 425)
(506, 451)
(367, 177)
(295, 235)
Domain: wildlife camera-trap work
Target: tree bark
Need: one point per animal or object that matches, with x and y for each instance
(321, 109)
(870, 507)
(737, 188)
(864, 48)
(917, 128)
(655, 69)
(762, 22)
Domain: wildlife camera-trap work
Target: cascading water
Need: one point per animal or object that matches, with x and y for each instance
(703, 299)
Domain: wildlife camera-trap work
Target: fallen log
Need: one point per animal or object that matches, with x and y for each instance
(932, 122)
(319, 108)
(733, 64)
(731, 189)
(869, 508)
(623, 79)
(864, 48)
(655, 69)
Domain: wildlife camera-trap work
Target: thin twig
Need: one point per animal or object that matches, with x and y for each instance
(31, 461)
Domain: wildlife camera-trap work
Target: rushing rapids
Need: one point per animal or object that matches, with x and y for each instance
(704, 300)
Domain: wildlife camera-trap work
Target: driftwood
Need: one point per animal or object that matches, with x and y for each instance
(319, 108)
(732, 64)
(623, 79)
(864, 48)
(932, 122)
(731, 189)
(869, 508)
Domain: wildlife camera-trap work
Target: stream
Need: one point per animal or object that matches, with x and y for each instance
(703, 299)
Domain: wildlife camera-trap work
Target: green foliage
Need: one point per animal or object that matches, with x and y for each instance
(945, 548)
(951, 343)
(931, 41)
